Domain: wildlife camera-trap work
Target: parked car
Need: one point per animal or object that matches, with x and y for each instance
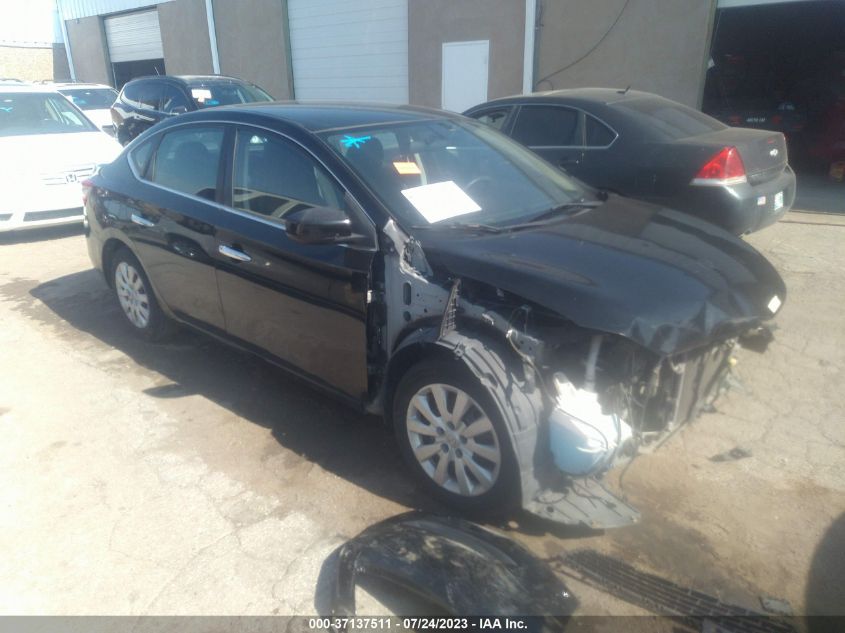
(47, 147)
(763, 114)
(644, 146)
(521, 332)
(95, 100)
(144, 102)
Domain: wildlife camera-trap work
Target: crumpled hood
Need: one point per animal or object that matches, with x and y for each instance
(663, 279)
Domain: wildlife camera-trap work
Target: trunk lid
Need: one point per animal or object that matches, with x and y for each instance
(763, 152)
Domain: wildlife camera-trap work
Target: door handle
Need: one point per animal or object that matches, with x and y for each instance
(140, 220)
(233, 253)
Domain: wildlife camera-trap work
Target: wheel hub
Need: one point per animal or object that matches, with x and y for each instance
(453, 440)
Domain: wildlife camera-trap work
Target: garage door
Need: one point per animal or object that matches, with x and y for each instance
(134, 36)
(350, 50)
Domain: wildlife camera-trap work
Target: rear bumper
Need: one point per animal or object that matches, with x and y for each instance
(24, 220)
(746, 207)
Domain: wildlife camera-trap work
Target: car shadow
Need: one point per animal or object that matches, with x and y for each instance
(352, 445)
(41, 235)
(824, 599)
(357, 447)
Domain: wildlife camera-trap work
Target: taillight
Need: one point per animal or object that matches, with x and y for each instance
(734, 119)
(776, 119)
(725, 168)
(87, 185)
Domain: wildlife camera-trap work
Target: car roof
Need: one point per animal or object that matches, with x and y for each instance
(606, 96)
(24, 88)
(69, 85)
(320, 116)
(190, 79)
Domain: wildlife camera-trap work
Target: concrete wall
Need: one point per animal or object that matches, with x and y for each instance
(27, 63)
(252, 43)
(657, 45)
(89, 49)
(184, 37)
(433, 22)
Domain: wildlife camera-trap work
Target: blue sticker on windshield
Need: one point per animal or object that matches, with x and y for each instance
(7, 108)
(354, 141)
(212, 102)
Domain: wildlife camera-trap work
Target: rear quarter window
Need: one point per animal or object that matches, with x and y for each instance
(132, 94)
(140, 157)
(669, 120)
(494, 118)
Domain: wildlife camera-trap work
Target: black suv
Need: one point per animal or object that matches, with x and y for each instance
(146, 101)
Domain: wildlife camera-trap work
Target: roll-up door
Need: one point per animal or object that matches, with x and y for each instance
(350, 50)
(134, 36)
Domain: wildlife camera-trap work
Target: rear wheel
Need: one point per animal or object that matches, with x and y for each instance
(451, 436)
(136, 299)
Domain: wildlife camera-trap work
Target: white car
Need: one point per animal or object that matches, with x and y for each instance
(47, 148)
(95, 100)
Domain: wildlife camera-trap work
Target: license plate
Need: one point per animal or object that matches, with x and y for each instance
(778, 200)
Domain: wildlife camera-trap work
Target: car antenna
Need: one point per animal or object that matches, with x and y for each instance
(622, 92)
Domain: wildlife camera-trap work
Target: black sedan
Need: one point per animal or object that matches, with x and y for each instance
(522, 333)
(145, 101)
(644, 146)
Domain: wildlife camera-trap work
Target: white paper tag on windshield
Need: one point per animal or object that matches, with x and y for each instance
(440, 201)
(201, 94)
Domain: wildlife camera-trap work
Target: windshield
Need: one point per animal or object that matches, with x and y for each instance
(440, 172)
(24, 113)
(218, 94)
(91, 98)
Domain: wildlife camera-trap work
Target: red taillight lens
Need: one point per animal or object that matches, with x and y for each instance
(734, 119)
(776, 119)
(725, 168)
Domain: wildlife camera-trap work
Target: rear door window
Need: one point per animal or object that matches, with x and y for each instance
(547, 126)
(188, 160)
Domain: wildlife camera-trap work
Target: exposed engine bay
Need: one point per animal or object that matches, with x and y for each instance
(583, 401)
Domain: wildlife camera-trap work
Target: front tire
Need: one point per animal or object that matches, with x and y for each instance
(136, 298)
(451, 435)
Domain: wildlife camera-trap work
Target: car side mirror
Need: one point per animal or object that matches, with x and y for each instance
(320, 225)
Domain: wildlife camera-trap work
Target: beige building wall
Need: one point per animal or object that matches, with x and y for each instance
(90, 52)
(26, 63)
(433, 22)
(252, 43)
(184, 37)
(656, 45)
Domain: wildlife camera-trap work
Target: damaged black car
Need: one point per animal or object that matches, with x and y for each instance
(523, 332)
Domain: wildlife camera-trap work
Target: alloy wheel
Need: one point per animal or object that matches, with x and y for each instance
(132, 294)
(453, 440)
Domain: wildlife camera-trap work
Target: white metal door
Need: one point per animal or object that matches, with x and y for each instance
(134, 36)
(465, 71)
(349, 50)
